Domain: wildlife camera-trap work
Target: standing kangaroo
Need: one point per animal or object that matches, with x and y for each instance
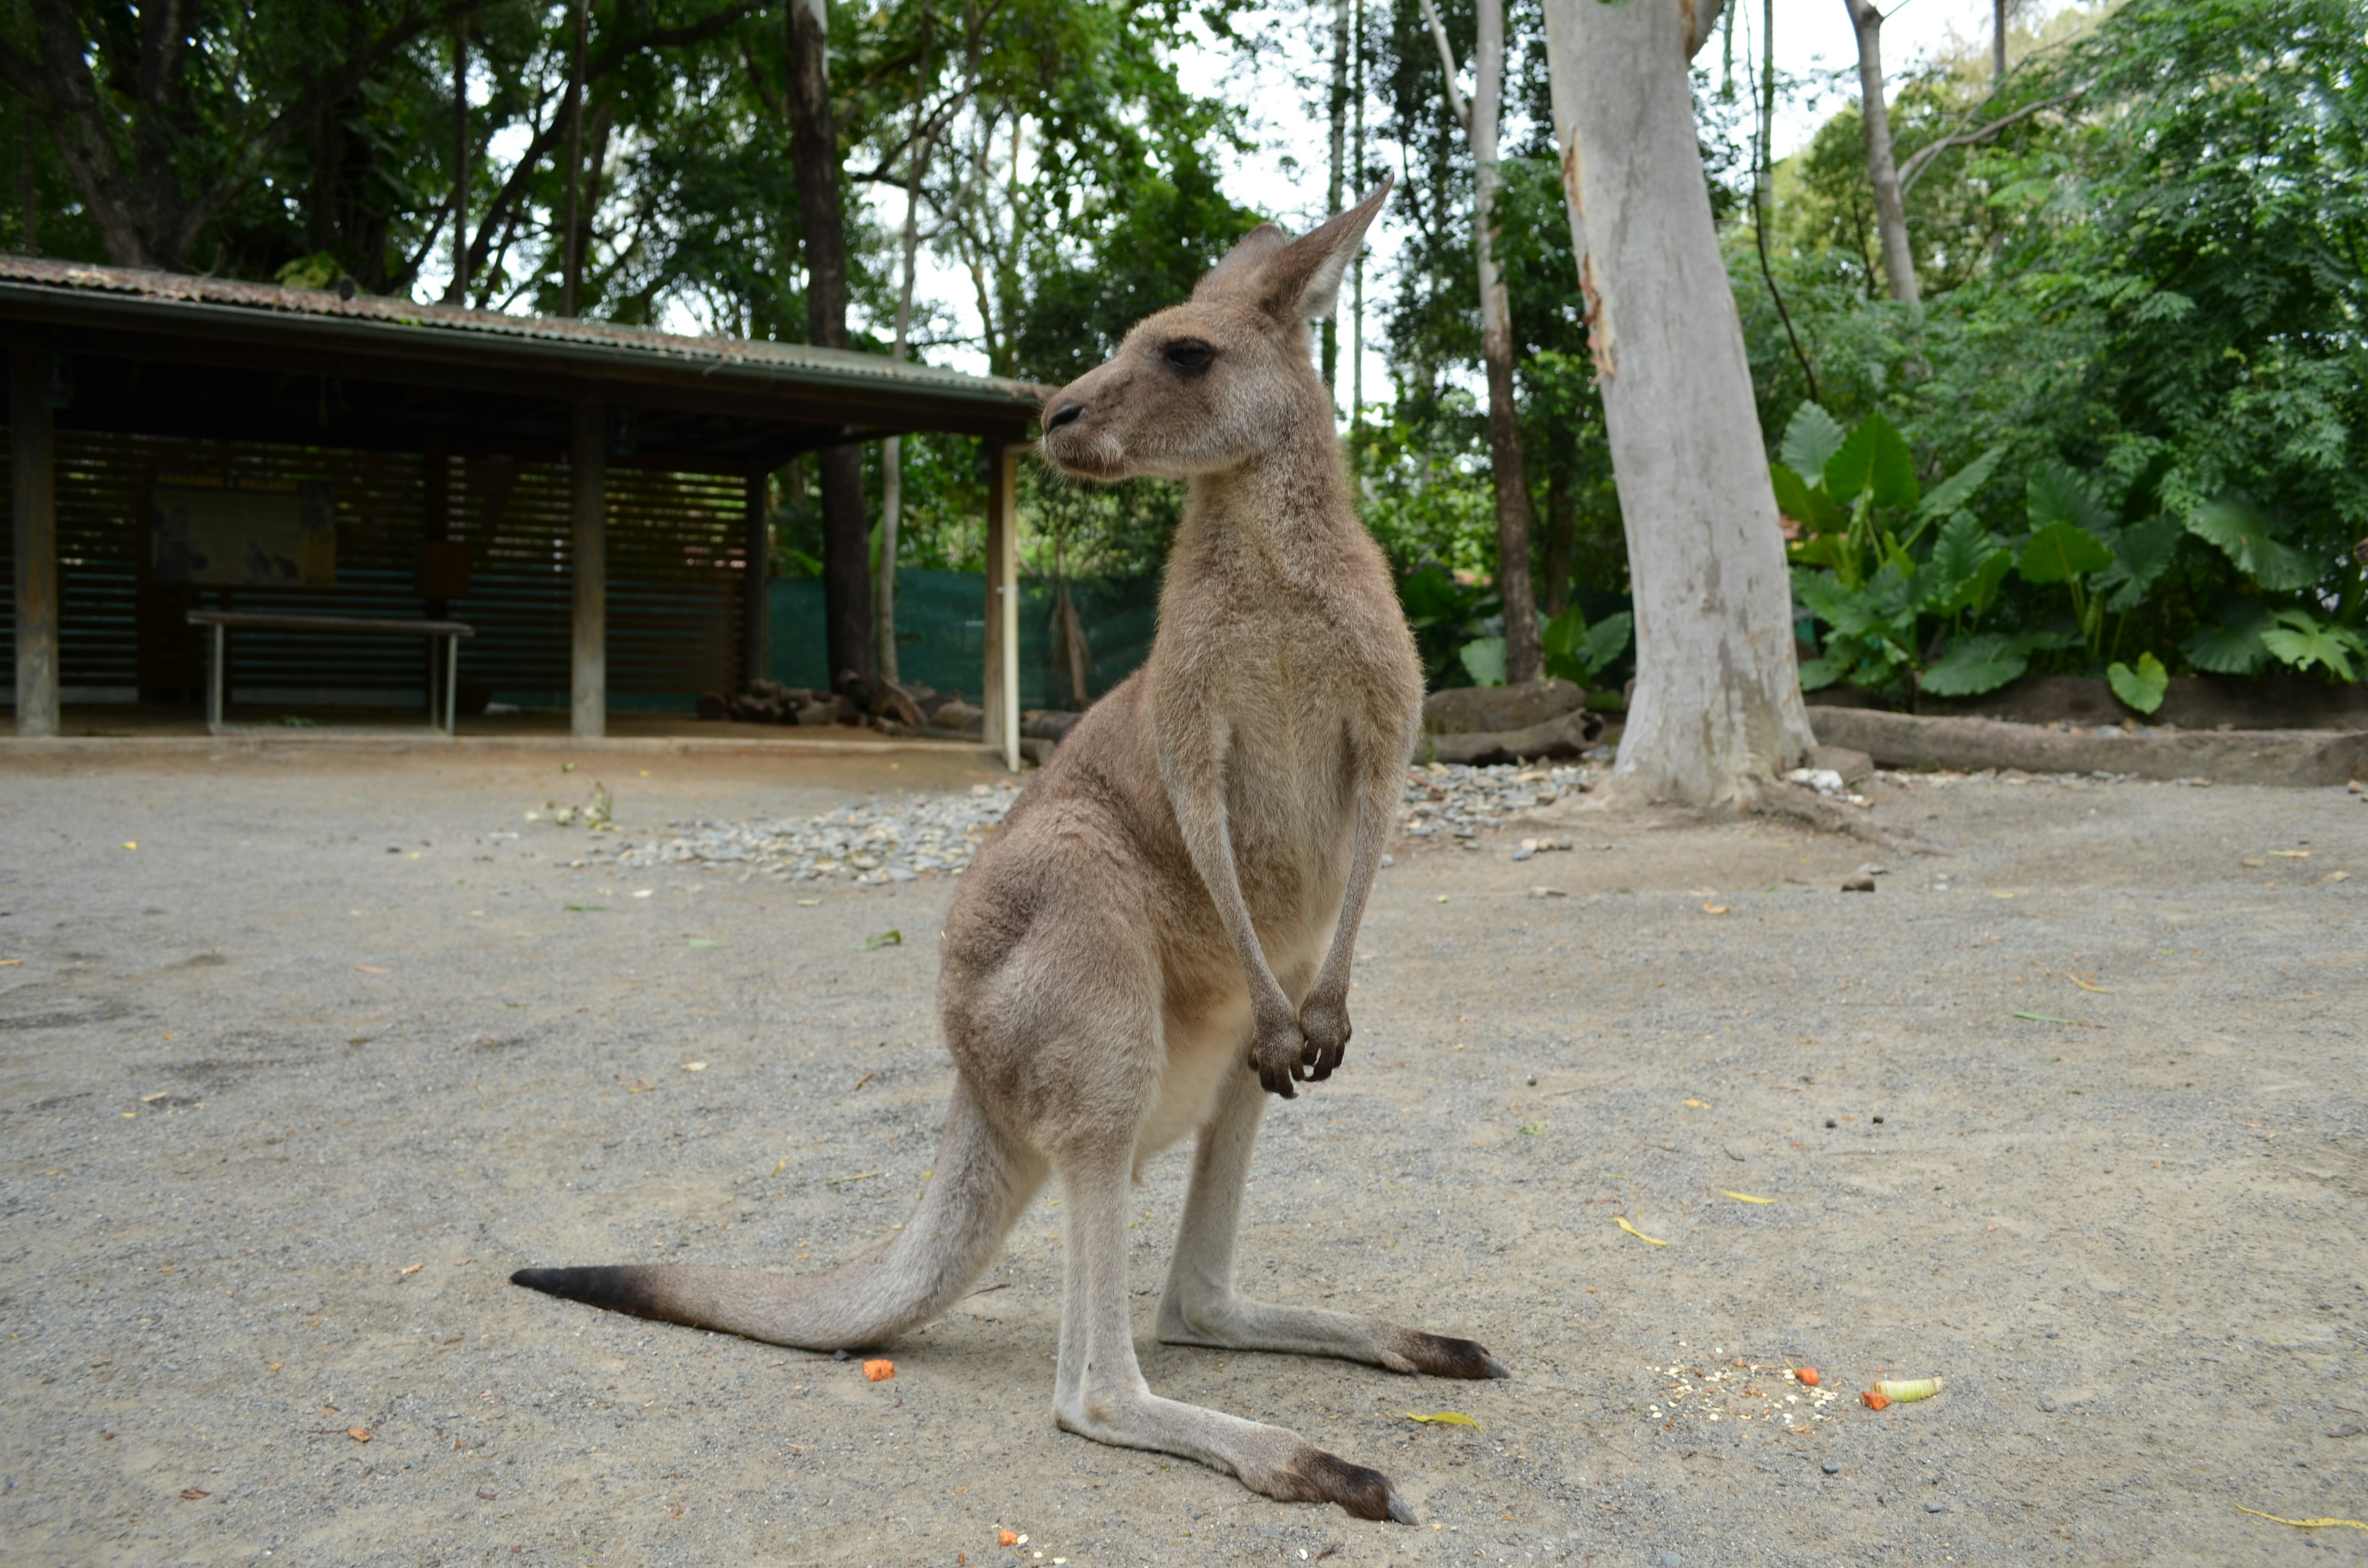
(1164, 921)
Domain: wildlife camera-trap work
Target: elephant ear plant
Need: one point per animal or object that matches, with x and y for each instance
(1858, 520)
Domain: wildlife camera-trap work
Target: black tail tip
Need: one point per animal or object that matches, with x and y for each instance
(618, 1288)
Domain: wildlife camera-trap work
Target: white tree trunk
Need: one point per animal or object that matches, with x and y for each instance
(1717, 703)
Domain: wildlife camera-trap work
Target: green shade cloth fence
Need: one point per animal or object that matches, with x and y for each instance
(941, 632)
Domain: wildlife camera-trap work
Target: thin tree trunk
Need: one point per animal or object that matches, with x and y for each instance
(892, 450)
(458, 293)
(1882, 171)
(1717, 704)
(1562, 523)
(28, 181)
(814, 154)
(1524, 658)
(570, 263)
(1357, 306)
(1331, 328)
(1997, 38)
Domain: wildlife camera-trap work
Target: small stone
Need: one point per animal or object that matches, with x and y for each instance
(1832, 1467)
(1670, 1560)
(2047, 1404)
(1936, 1507)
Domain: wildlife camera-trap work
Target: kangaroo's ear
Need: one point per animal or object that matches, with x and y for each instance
(1302, 281)
(1240, 266)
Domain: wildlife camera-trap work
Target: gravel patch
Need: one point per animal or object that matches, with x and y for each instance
(908, 835)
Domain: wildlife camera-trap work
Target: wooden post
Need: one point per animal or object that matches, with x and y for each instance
(756, 544)
(587, 463)
(34, 460)
(435, 528)
(1001, 699)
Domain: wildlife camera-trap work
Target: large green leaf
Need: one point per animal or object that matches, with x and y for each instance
(1976, 665)
(2233, 645)
(2142, 687)
(2058, 492)
(1824, 670)
(1812, 509)
(1605, 641)
(2141, 555)
(1957, 489)
(1874, 459)
(1965, 568)
(1484, 660)
(2248, 537)
(2301, 640)
(1811, 439)
(2061, 551)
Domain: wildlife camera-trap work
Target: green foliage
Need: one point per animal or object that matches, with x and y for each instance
(2142, 687)
(2143, 309)
(2302, 640)
(1484, 660)
(1578, 653)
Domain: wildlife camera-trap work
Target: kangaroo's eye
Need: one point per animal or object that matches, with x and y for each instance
(1191, 356)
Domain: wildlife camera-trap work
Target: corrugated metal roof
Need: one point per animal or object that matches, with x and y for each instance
(622, 346)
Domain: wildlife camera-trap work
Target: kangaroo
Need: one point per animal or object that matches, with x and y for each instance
(1160, 933)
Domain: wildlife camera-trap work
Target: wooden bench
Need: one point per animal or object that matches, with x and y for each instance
(225, 621)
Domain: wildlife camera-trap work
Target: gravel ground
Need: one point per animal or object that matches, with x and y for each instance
(2071, 1115)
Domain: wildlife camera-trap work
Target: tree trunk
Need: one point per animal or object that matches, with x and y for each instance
(457, 293)
(1997, 38)
(1562, 522)
(1717, 703)
(1357, 303)
(1882, 171)
(892, 450)
(1331, 329)
(814, 154)
(571, 260)
(1524, 658)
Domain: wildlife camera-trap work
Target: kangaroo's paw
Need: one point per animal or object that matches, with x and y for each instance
(1440, 1356)
(1310, 1475)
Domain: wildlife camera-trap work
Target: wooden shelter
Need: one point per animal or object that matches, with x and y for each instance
(589, 497)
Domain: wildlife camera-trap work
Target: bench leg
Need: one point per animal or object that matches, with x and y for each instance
(215, 678)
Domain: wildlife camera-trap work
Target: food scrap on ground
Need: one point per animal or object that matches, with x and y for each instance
(1907, 1390)
(878, 1371)
(1739, 1390)
(1875, 1399)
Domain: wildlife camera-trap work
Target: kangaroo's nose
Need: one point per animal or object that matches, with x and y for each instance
(1067, 414)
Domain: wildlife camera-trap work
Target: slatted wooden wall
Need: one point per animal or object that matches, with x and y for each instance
(675, 565)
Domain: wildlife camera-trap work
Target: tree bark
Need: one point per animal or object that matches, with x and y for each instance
(1524, 658)
(1882, 170)
(571, 262)
(1331, 328)
(457, 293)
(892, 450)
(1716, 708)
(1998, 40)
(814, 155)
(1509, 476)
(1562, 523)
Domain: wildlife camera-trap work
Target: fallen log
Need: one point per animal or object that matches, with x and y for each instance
(2298, 758)
(1567, 735)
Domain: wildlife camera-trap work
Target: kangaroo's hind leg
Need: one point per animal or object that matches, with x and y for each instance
(1200, 1305)
(1100, 1392)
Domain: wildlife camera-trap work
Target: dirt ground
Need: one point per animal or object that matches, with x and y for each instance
(2071, 1114)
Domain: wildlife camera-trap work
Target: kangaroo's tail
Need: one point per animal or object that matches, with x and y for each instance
(982, 1179)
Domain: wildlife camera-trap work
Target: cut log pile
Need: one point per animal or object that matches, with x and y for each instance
(886, 704)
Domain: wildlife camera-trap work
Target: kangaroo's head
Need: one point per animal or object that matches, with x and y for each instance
(1218, 380)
